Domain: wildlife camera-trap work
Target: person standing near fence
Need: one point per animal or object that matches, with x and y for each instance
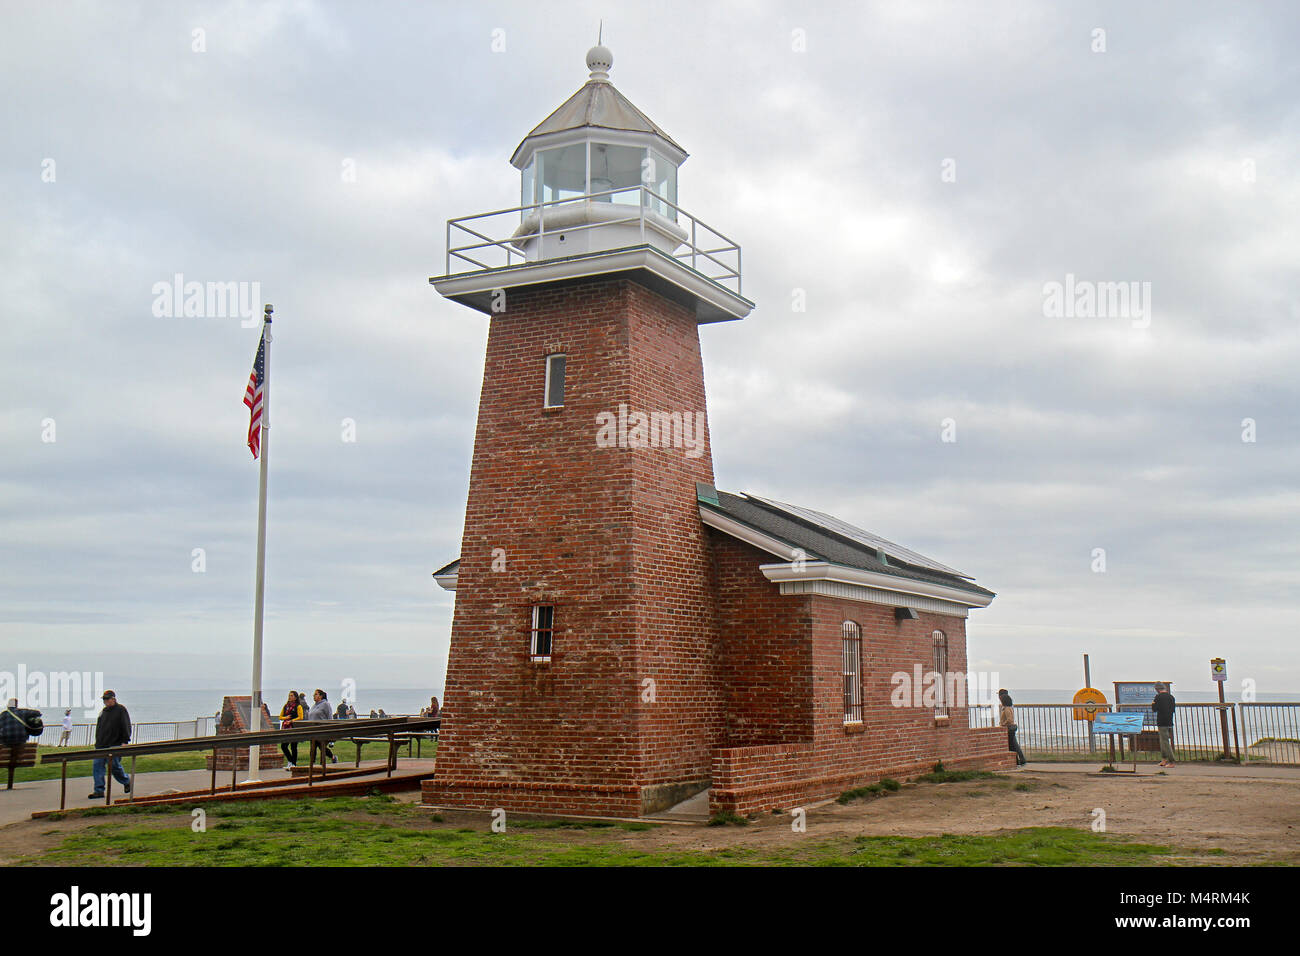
(1007, 719)
(1163, 705)
(113, 729)
(291, 711)
(66, 735)
(320, 710)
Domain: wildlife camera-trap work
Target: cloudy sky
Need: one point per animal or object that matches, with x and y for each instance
(917, 173)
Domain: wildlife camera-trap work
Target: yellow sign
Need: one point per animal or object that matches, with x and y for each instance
(1218, 669)
(1089, 702)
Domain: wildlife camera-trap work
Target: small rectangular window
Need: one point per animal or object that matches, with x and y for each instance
(542, 632)
(554, 381)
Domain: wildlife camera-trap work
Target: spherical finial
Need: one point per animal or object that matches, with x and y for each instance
(599, 60)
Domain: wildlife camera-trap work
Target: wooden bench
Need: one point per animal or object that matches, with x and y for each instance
(398, 740)
(24, 755)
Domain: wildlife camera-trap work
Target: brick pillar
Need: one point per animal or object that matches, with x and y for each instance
(611, 537)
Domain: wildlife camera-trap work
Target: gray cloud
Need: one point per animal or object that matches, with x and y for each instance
(925, 302)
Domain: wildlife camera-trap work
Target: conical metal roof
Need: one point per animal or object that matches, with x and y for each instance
(596, 105)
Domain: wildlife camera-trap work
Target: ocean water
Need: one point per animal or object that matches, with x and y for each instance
(153, 704)
(146, 705)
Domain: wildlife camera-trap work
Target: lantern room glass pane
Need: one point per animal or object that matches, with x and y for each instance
(562, 172)
(660, 176)
(528, 190)
(616, 167)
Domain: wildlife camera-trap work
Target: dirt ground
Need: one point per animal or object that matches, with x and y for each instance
(1253, 821)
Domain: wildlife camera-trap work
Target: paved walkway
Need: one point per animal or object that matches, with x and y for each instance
(1200, 771)
(27, 797)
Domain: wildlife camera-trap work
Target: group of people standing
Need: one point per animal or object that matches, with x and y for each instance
(1163, 705)
(295, 709)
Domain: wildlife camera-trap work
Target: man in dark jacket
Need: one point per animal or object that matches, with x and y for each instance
(1163, 705)
(111, 730)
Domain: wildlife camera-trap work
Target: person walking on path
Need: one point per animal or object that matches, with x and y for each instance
(1163, 705)
(1007, 719)
(66, 735)
(113, 729)
(291, 711)
(320, 710)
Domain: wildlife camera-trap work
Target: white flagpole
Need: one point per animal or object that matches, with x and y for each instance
(255, 698)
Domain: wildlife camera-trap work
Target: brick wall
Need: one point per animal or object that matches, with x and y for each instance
(764, 649)
(822, 757)
(236, 758)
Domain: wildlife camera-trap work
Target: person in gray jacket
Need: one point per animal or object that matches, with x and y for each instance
(320, 710)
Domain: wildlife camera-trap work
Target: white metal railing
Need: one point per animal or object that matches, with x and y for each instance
(707, 251)
(1258, 732)
(146, 732)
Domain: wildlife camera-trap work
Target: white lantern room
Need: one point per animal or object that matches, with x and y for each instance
(597, 196)
(588, 169)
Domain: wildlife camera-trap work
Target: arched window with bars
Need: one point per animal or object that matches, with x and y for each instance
(941, 702)
(852, 638)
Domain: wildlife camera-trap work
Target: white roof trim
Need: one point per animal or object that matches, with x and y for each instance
(532, 145)
(446, 581)
(747, 534)
(856, 592)
(824, 571)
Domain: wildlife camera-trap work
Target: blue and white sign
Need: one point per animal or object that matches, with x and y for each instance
(1119, 723)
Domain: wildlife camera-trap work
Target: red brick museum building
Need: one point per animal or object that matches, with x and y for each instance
(625, 635)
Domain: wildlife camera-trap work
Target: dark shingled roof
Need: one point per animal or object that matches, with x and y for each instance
(826, 544)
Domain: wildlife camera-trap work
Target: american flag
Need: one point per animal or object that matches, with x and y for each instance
(253, 397)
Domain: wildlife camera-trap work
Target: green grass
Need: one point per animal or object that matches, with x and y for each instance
(939, 775)
(377, 831)
(1033, 846)
(196, 760)
(155, 764)
(727, 818)
(869, 792)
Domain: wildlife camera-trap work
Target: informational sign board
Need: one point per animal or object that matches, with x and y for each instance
(1119, 723)
(1218, 669)
(1091, 702)
(1136, 696)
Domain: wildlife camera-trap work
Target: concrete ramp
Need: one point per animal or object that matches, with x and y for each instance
(691, 810)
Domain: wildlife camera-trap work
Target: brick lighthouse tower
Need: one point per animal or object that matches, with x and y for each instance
(583, 673)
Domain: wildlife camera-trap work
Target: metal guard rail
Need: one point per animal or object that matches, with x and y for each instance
(318, 730)
(649, 198)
